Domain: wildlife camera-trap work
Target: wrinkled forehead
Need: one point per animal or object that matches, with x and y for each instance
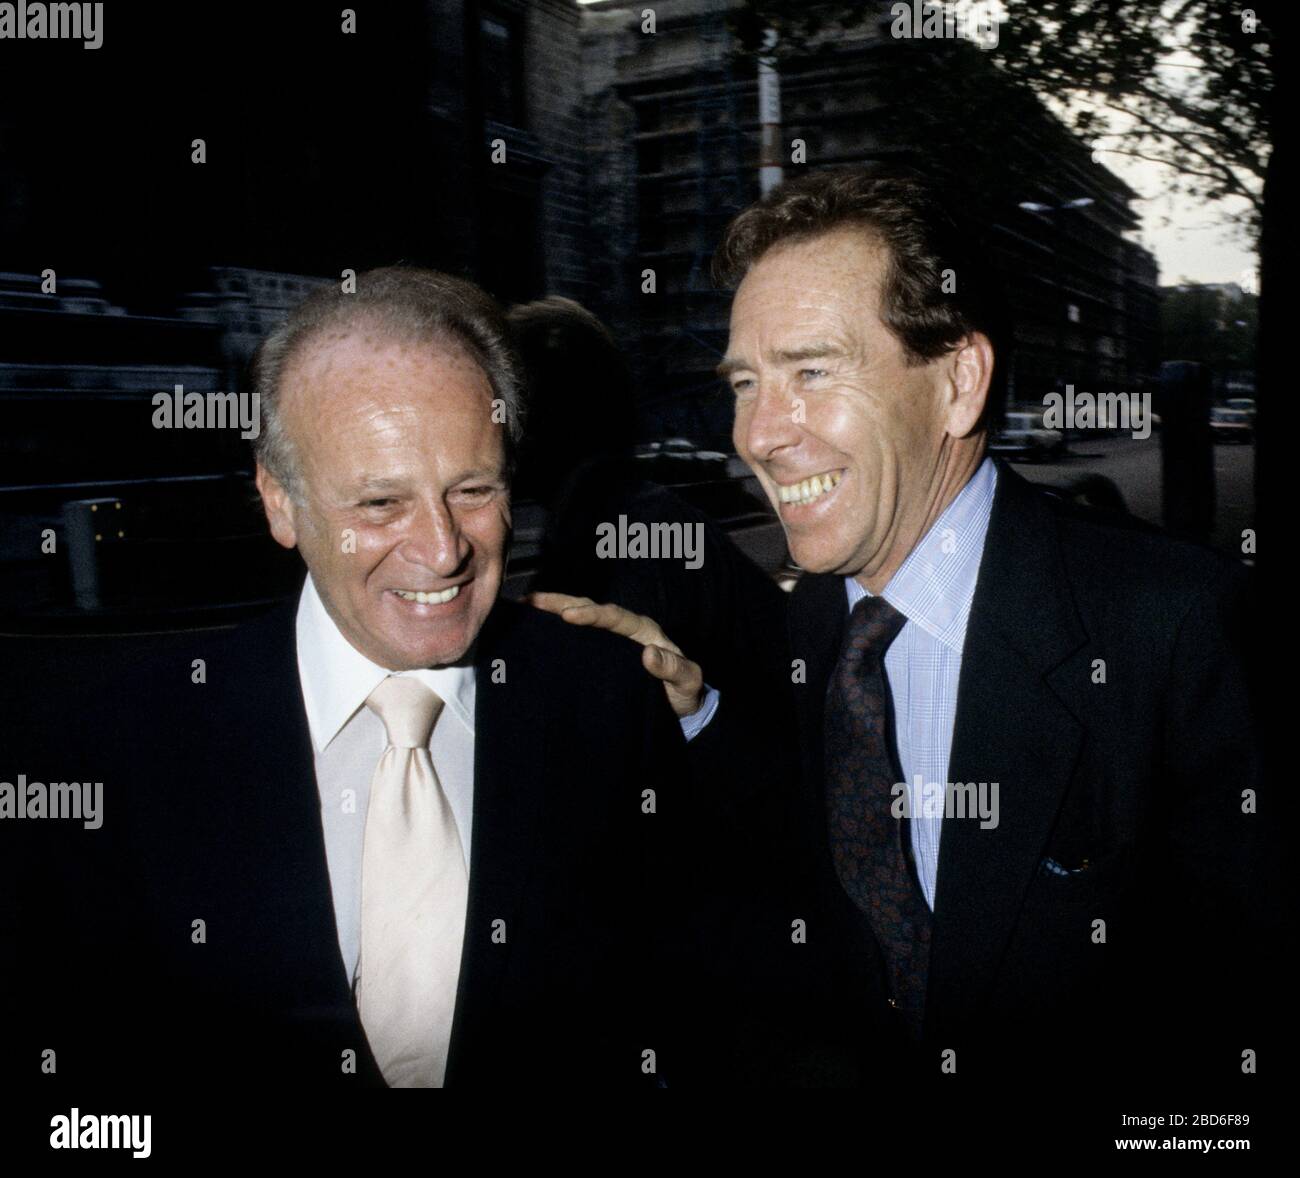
(352, 393)
(351, 380)
(832, 282)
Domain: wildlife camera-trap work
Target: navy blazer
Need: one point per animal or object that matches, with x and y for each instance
(1106, 686)
(212, 815)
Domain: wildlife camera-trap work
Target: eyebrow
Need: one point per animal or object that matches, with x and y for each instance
(372, 483)
(819, 350)
(488, 473)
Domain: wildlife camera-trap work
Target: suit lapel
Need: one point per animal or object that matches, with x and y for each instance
(1011, 727)
(818, 612)
(262, 811)
(292, 808)
(819, 608)
(510, 759)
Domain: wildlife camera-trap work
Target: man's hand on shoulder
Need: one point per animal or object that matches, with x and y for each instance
(683, 679)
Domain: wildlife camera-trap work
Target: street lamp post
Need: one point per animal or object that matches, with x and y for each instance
(770, 168)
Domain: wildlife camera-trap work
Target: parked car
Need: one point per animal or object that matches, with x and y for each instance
(1023, 435)
(1231, 425)
(1245, 404)
(673, 461)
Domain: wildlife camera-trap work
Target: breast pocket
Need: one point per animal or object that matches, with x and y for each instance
(1080, 880)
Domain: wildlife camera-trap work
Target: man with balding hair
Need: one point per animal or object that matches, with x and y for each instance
(399, 831)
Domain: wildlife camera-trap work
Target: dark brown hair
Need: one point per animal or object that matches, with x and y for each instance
(904, 211)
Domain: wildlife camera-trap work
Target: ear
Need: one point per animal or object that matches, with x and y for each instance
(278, 507)
(970, 370)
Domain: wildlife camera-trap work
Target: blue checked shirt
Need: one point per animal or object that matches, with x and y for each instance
(933, 589)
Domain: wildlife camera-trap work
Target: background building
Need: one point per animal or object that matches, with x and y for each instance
(537, 146)
(138, 258)
(674, 149)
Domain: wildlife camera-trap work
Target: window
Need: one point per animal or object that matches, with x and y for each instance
(501, 69)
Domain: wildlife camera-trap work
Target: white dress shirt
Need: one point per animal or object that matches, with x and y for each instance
(348, 740)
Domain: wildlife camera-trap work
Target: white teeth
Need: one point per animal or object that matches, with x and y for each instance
(809, 489)
(428, 598)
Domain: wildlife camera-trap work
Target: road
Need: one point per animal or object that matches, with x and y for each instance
(1134, 466)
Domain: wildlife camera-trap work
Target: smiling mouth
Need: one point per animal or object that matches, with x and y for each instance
(427, 598)
(810, 489)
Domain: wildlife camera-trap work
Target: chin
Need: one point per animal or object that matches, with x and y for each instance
(814, 559)
(443, 654)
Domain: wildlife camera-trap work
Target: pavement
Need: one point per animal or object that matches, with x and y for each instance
(1134, 467)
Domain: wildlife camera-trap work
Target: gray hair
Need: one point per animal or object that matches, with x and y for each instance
(410, 305)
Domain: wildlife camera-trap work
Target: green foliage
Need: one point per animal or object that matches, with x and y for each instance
(1211, 325)
(1185, 83)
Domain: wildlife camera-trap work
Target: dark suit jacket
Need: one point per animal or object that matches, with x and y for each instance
(212, 814)
(1104, 687)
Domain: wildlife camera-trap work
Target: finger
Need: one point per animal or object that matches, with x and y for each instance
(673, 667)
(582, 611)
(622, 621)
(557, 602)
(578, 611)
(683, 679)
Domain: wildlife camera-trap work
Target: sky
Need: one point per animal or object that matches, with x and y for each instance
(1195, 246)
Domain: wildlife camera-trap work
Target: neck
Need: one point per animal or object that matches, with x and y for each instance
(957, 464)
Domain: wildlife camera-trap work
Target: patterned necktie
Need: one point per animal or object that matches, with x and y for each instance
(414, 892)
(866, 839)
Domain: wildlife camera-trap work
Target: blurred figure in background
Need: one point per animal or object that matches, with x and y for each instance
(576, 459)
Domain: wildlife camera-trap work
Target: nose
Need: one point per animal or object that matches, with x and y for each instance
(435, 540)
(768, 423)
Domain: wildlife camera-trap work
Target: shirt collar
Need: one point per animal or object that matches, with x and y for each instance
(934, 586)
(337, 678)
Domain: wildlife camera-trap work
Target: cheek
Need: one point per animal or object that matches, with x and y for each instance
(740, 427)
(355, 550)
(313, 537)
(369, 540)
(487, 530)
(845, 423)
(920, 409)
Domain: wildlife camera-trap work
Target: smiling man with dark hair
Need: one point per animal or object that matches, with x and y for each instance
(1028, 820)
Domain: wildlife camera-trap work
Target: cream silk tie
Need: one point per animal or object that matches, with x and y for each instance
(414, 891)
